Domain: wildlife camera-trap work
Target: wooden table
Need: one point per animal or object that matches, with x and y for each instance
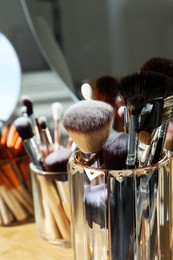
(23, 243)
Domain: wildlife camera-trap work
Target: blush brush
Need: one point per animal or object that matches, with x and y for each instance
(89, 123)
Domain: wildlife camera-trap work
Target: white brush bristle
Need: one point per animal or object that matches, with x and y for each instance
(86, 91)
(57, 110)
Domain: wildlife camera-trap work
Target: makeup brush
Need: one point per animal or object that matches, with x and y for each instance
(45, 134)
(24, 128)
(57, 110)
(27, 101)
(115, 151)
(89, 123)
(136, 91)
(164, 66)
(57, 162)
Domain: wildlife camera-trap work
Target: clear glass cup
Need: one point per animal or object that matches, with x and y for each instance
(52, 206)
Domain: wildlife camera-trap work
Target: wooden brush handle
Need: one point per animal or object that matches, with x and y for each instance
(13, 204)
(56, 207)
(50, 227)
(63, 190)
(6, 215)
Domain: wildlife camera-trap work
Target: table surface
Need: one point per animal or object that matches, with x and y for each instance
(23, 243)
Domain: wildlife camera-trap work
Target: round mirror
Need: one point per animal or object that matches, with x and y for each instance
(10, 79)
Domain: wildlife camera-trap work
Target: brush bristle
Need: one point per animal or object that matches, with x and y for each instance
(115, 151)
(27, 101)
(42, 122)
(57, 110)
(24, 127)
(138, 88)
(159, 64)
(95, 204)
(106, 89)
(89, 122)
(86, 91)
(144, 137)
(57, 160)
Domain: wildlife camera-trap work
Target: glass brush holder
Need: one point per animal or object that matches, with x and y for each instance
(52, 206)
(120, 214)
(16, 203)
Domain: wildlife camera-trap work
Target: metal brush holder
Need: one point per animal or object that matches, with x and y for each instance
(121, 214)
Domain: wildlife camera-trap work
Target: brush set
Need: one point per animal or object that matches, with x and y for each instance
(16, 204)
(48, 168)
(113, 174)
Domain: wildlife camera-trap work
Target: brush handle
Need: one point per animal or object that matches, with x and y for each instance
(159, 148)
(33, 152)
(131, 156)
(5, 213)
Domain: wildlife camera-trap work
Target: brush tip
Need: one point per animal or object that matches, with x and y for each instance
(42, 121)
(115, 151)
(86, 91)
(89, 122)
(57, 160)
(144, 137)
(24, 127)
(57, 110)
(27, 101)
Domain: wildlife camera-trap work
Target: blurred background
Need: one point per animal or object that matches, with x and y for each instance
(96, 38)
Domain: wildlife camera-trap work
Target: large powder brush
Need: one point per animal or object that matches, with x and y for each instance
(89, 123)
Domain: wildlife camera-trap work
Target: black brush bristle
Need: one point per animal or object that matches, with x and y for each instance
(27, 101)
(42, 122)
(96, 204)
(106, 89)
(138, 88)
(159, 64)
(115, 151)
(57, 160)
(24, 128)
